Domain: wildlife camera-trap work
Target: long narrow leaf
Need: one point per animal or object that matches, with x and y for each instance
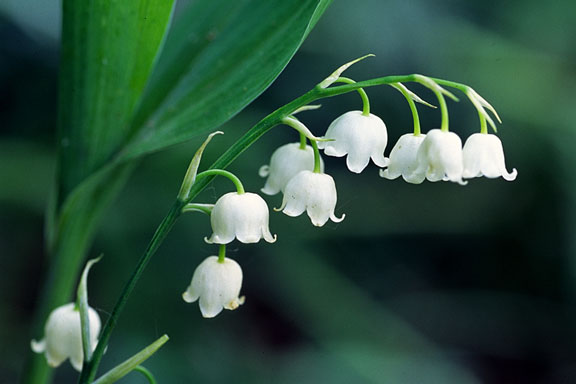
(108, 50)
(219, 57)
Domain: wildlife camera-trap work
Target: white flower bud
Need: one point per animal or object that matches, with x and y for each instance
(243, 216)
(314, 193)
(285, 163)
(361, 137)
(217, 285)
(484, 156)
(404, 159)
(440, 157)
(63, 336)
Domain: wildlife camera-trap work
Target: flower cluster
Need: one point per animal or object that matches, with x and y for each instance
(297, 171)
(439, 156)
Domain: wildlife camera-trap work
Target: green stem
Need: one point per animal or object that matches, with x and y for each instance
(302, 141)
(443, 110)
(221, 172)
(361, 91)
(89, 370)
(193, 207)
(414, 110)
(147, 374)
(222, 253)
(483, 125)
(317, 167)
(275, 118)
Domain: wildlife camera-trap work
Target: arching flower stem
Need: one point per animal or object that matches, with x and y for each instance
(222, 172)
(361, 91)
(317, 164)
(302, 141)
(275, 118)
(146, 373)
(479, 102)
(413, 108)
(443, 110)
(483, 125)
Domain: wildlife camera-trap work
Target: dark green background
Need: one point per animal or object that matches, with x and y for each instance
(433, 283)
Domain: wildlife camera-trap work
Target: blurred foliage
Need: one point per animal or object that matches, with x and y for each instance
(434, 283)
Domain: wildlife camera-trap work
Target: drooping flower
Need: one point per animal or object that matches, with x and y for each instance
(63, 336)
(314, 193)
(217, 285)
(243, 216)
(285, 163)
(361, 137)
(484, 156)
(404, 159)
(440, 157)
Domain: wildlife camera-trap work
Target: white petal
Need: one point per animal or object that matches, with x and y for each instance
(264, 171)
(267, 235)
(209, 308)
(240, 216)
(296, 195)
(38, 346)
(404, 160)
(361, 137)
(484, 156)
(440, 157)
(510, 176)
(337, 219)
(218, 285)
(285, 163)
(314, 193)
(77, 360)
(63, 337)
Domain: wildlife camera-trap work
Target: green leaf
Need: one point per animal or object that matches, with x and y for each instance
(219, 56)
(132, 363)
(108, 51)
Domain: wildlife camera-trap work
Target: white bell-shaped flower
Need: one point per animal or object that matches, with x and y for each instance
(404, 159)
(243, 216)
(285, 163)
(217, 285)
(484, 156)
(63, 336)
(314, 193)
(361, 137)
(440, 157)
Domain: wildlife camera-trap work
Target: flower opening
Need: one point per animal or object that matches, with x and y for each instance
(216, 285)
(440, 157)
(63, 336)
(484, 156)
(242, 216)
(360, 137)
(285, 163)
(314, 193)
(404, 159)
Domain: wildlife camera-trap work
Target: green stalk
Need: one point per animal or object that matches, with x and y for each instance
(302, 141)
(275, 118)
(317, 164)
(146, 373)
(221, 172)
(222, 253)
(413, 109)
(89, 370)
(443, 110)
(362, 92)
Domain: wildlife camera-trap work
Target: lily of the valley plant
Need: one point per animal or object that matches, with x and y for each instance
(297, 171)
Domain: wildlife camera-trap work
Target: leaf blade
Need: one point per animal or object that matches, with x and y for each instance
(108, 50)
(224, 75)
